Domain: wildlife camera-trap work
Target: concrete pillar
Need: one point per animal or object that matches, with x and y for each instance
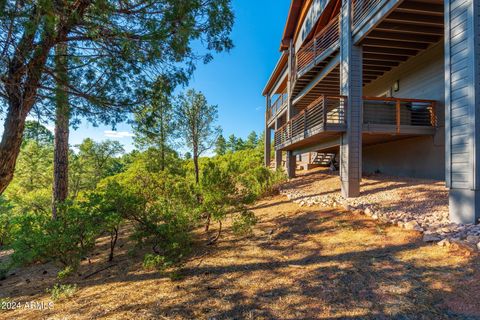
(291, 164)
(462, 109)
(350, 86)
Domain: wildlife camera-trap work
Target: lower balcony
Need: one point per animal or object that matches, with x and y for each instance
(385, 118)
(325, 115)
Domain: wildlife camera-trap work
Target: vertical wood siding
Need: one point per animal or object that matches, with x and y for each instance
(460, 94)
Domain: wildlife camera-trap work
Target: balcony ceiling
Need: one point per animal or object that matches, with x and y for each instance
(412, 27)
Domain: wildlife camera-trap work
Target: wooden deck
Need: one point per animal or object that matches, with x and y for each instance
(325, 119)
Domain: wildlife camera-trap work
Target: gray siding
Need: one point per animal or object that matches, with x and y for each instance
(459, 75)
(414, 157)
(350, 86)
(462, 32)
(421, 77)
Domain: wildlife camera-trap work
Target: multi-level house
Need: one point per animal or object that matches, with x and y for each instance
(389, 86)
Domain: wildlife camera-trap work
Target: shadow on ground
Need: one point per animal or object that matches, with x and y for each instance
(300, 263)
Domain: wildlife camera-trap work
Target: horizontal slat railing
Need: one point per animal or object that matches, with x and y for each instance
(277, 106)
(399, 112)
(362, 9)
(313, 119)
(307, 56)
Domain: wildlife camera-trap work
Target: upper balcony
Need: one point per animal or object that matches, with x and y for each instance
(277, 107)
(319, 48)
(383, 117)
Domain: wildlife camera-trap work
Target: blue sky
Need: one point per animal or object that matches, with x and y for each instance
(234, 81)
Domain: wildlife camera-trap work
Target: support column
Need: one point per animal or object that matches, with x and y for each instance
(462, 109)
(268, 146)
(350, 86)
(291, 164)
(268, 137)
(291, 160)
(278, 153)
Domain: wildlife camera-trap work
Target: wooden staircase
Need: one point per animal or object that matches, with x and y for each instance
(323, 159)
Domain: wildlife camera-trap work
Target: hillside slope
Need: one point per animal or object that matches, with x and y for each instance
(300, 263)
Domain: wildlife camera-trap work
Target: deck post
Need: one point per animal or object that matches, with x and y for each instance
(268, 146)
(278, 153)
(291, 164)
(350, 86)
(268, 136)
(291, 160)
(462, 111)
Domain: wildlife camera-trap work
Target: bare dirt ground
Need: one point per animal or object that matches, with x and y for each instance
(300, 263)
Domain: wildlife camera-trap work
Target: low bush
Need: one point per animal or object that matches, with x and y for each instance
(243, 222)
(159, 205)
(154, 262)
(65, 273)
(5, 222)
(62, 291)
(67, 239)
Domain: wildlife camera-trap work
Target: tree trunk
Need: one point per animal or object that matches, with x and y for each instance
(162, 142)
(60, 158)
(162, 158)
(10, 145)
(197, 171)
(113, 242)
(22, 83)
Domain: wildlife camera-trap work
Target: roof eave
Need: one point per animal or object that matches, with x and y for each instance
(282, 61)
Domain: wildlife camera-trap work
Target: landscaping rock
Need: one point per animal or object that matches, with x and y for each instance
(430, 238)
(472, 239)
(411, 225)
(425, 211)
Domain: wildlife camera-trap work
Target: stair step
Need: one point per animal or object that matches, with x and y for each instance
(323, 159)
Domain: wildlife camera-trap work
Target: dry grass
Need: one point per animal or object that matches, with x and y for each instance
(300, 263)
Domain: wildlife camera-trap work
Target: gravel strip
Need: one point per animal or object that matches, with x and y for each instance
(413, 204)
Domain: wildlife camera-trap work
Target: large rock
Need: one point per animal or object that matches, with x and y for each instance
(411, 225)
(473, 239)
(431, 238)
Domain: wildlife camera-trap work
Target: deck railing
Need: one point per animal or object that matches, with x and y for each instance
(362, 8)
(399, 112)
(309, 55)
(277, 106)
(313, 119)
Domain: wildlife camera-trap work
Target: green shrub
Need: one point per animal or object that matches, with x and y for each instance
(65, 273)
(5, 222)
(160, 206)
(62, 291)
(243, 223)
(67, 239)
(154, 262)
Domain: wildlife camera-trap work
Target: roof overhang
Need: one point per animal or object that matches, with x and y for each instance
(296, 15)
(277, 72)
